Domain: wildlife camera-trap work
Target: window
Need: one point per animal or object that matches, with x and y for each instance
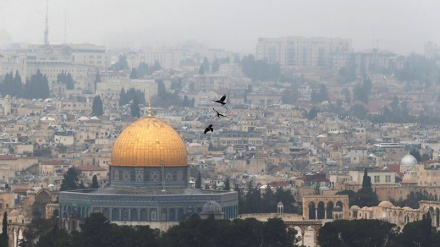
(376, 179)
(388, 178)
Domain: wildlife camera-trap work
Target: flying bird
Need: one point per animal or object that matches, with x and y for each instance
(209, 129)
(219, 114)
(221, 100)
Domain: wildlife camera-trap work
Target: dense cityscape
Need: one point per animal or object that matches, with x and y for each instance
(306, 141)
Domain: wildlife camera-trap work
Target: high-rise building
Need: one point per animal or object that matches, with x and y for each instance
(301, 51)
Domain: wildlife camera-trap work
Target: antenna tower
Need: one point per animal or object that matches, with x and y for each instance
(46, 31)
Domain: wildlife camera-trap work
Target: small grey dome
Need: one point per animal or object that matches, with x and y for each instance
(212, 207)
(408, 160)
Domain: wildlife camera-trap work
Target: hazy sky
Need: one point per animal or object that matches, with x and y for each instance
(402, 26)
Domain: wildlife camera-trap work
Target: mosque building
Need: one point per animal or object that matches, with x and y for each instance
(149, 183)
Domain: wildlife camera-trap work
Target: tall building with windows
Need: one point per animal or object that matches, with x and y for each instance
(301, 51)
(149, 183)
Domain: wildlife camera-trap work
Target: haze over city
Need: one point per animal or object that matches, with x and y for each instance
(399, 26)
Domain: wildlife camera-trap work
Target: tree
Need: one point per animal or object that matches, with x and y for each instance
(274, 233)
(347, 95)
(227, 184)
(97, 77)
(121, 64)
(70, 180)
(419, 233)
(95, 184)
(416, 154)
(362, 233)
(290, 96)
(143, 69)
(156, 67)
(201, 70)
(313, 113)
(269, 203)
(134, 74)
(4, 235)
(198, 183)
(95, 231)
(135, 110)
(362, 92)
(205, 64)
(97, 108)
(366, 180)
(351, 196)
(215, 66)
(36, 87)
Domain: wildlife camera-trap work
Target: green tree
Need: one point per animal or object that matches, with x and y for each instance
(351, 196)
(288, 200)
(268, 201)
(366, 180)
(215, 66)
(359, 111)
(198, 183)
(205, 64)
(313, 113)
(134, 74)
(156, 67)
(275, 234)
(347, 95)
(135, 110)
(416, 154)
(70, 180)
(201, 70)
(227, 184)
(419, 234)
(290, 96)
(55, 238)
(360, 233)
(95, 184)
(95, 231)
(97, 108)
(362, 92)
(4, 235)
(143, 69)
(121, 64)
(36, 87)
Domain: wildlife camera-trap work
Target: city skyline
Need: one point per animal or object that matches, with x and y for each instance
(401, 28)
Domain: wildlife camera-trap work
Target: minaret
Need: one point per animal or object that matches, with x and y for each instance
(46, 31)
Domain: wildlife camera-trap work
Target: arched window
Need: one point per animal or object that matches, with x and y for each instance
(153, 215)
(134, 215)
(115, 214)
(105, 212)
(172, 215)
(124, 214)
(163, 215)
(143, 214)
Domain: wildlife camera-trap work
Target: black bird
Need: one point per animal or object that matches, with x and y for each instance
(221, 100)
(209, 129)
(219, 114)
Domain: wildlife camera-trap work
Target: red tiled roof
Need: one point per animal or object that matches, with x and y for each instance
(90, 168)
(19, 190)
(54, 162)
(7, 157)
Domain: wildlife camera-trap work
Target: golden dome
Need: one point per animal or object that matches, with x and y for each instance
(149, 142)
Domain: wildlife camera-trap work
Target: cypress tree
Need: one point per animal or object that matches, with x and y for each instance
(5, 228)
(135, 110)
(95, 184)
(366, 180)
(97, 108)
(198, 184)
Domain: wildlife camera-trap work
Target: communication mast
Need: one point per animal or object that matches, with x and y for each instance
(46, 31)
